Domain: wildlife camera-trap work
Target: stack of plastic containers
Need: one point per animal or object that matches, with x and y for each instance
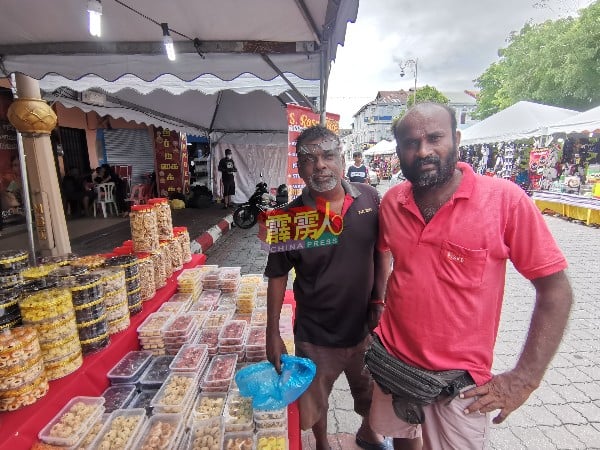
(219, 374)
(256, 349)
(156, 373)
(286, 328)
(271, 419)
(209, 336)
(12, 262)
(190, 358)
(129, 263)
(164, 429)
(246, 294)
(51, 312)
(112, 280)
(118, 396)
(10, 314)
(73, 422)
(171, 307)
(182, 235)
(238, 417)
(177, 394)
(210, 277)
(149, 333)
(207, 300)
(232, 338)
(22, 377)
(180, 330)
(90, 312)
(147, 282)
(189, 281)
(229, 279)
(120, 430)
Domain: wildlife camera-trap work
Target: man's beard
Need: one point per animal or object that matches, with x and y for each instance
(422, 180)
(322, 186)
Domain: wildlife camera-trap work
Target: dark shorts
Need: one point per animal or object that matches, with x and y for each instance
(228, 188)
(331, 362)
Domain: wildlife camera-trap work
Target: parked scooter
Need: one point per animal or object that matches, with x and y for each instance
(246, 215)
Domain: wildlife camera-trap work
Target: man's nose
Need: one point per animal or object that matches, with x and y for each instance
(320, 163)
(423, 149)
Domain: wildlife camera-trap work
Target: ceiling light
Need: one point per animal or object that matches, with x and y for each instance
(168, 41)
(94, 9)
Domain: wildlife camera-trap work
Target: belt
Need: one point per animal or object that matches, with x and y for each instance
(454, 388)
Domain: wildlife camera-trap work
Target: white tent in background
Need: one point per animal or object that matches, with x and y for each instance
(519, 121)
(382, 148)
(583, 123)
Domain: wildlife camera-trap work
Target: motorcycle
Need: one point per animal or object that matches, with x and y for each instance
(246, 215)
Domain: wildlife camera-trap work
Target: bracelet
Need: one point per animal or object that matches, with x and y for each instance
(376, 302)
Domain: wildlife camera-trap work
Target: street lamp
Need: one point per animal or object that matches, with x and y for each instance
(414, 63)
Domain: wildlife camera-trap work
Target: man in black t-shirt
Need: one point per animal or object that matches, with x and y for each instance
(227, 169)
(358, 172)
(338, 288)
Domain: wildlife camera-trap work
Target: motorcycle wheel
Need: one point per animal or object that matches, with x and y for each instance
(245, 217)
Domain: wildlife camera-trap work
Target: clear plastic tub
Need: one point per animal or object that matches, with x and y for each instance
(271, 419)
(238, 414)
(162, 431)
(238, 441)
(233, 332)
(153, 324)
(208, 405)
(180, 325)
(73, 421)
(171, 307)
(130, 367)
(210, 337)
(202, 306)
(94, 430)
(220, 372)
(156, 373)
(210, 295)
(118, 396)
(257, 338)
(190, 358)
(206, 434)
(217, 318)
(120, 430)
(259, 317)
(272, 440)
(176, 394)
(143, 400)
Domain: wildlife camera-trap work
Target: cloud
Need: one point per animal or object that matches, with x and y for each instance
(454, 41)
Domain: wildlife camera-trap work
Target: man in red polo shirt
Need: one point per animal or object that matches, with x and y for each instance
(450, 233)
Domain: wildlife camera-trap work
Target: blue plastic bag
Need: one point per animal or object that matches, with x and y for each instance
(272, 391)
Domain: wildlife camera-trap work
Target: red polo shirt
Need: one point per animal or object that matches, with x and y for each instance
(444, 295)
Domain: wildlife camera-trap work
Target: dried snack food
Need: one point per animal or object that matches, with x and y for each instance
(238, 441)
(46, 304)
(14, 259)
(163, 217)
(89, 261)
(206, 435)
(144, 228)
(120, 429)
(130, 367)
(13, 399)
(160, 432)
(118, 396)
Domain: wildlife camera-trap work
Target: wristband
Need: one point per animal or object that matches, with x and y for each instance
(376, 302)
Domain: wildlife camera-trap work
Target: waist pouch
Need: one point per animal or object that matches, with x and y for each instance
(412, 388)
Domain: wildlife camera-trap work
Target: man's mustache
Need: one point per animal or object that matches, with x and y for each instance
(428, 160)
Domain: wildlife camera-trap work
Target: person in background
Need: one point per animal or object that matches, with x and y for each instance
(227, 169)
(358, 172)
(450, 233)
(73, 192)
(338, 288)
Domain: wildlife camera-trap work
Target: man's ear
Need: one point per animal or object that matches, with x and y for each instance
(458, 138)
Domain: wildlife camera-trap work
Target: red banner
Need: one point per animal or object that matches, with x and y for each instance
(171, 163)
(300, 118)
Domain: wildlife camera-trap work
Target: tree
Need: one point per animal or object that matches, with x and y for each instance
(555, 63)
(427, 94)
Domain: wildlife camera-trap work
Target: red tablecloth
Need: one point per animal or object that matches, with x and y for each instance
(19, 429)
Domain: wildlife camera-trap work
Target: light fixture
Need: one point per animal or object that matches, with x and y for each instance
(168, 41)
(94, 9)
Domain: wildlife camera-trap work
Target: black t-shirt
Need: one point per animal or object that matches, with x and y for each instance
(227, 168)
(357, 174)
(333, 284)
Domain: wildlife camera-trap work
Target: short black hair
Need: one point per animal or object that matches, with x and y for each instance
(316, 132)
(451, 112)
(228, 151)
(357, 155)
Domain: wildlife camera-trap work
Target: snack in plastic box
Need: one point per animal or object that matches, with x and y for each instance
(171, 307)
(238, 441)
(130, 367)
(143, 400)
(118, 396)
(233, 332)
(73, 421)
(238, 414)
(91, 435)
(271, 440)
(219, 373)
(153, 324)
(120, 429)
(210, 337)
(176, 393)
(190, 358)
(217, 318)
(208, 405)
(156, 373)
(162, 431)
(207, 434)
(180, 325)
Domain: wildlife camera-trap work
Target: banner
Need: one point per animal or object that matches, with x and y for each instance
(537, 163)
(11, 201)
(300, 118)
(172, 174)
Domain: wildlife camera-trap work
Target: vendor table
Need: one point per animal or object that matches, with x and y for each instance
(19, 429)
(586, 209)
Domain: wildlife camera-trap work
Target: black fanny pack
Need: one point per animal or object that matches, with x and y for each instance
(412, 388)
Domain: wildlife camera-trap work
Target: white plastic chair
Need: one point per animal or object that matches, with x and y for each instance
(105, 196)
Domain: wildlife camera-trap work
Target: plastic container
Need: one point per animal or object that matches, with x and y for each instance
(143, 400)
(160, 274)
(111, 278)
(73, 421)
(153, 324)
(163, 217)
(238, 441)
(45, 304)
(184, 240)
(64, 366)
(208, 405)
(238, 414)
(67, 275)
(165, 429)
(14, 260)
(180, 325)
(219, 373)
(171, 307)
(156, 373)
(176, 393)
(233, 333)
(144, 228)
(127, 262)
(95, 344)
(210, 337)
(13, 399)
(270, 420)
(146, 276)
(272, 440)
(190, 358)
(90, 311)
(217, 318)
(92, 328)
(17, 346)
(118, 396)
(86, 288)
(206, 434)
(10, 277)
(89, 261)
(133, 283)
(130, 368)
(120, 430)
(91, 435)
(118, 325)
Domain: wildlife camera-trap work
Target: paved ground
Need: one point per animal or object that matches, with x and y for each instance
(564, 413)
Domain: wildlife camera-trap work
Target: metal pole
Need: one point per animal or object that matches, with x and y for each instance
(415, 94)
(24, 186)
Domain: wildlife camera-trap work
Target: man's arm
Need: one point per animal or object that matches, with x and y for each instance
(509, 390)
(275, 346)
(382, 261)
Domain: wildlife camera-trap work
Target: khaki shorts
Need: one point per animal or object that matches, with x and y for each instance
(445, 426)
(331, 362)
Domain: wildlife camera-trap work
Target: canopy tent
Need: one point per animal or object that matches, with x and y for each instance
(583, 123)
(382, 148)
(519, 121)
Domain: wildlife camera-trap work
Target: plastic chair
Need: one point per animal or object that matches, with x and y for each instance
(138, 195)
(105, 196)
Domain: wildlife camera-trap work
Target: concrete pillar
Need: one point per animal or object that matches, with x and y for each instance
(34, 119)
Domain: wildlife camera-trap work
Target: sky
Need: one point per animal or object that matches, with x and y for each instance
(453, 41)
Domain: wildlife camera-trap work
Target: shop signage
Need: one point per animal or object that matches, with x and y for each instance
(171, 163)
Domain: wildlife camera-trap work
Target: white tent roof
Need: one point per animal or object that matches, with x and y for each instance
(383, 147)
(584, 123)
(519, 121)
(38, 38)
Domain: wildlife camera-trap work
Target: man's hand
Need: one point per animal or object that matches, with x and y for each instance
(275, 348)
(374, 314)
(506, 392)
